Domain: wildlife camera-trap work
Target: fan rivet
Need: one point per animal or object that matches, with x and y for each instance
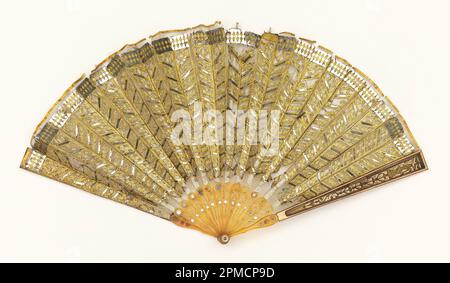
(224, 239)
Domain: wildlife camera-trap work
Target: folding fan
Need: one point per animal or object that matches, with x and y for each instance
(224, 131)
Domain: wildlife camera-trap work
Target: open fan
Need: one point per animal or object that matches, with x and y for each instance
(224, 131)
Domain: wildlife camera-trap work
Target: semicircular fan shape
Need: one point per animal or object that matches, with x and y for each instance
(224, 131)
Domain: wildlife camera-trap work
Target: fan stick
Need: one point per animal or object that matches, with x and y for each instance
(410, 165)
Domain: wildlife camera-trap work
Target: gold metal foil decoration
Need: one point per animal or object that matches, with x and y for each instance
(330, 133)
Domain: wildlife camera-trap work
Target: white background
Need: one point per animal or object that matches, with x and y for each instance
(402, 45)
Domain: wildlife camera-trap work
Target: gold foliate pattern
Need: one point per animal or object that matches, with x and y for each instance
(41, 164)
(224, 131)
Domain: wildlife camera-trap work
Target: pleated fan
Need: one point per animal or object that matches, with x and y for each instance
(224, 131)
